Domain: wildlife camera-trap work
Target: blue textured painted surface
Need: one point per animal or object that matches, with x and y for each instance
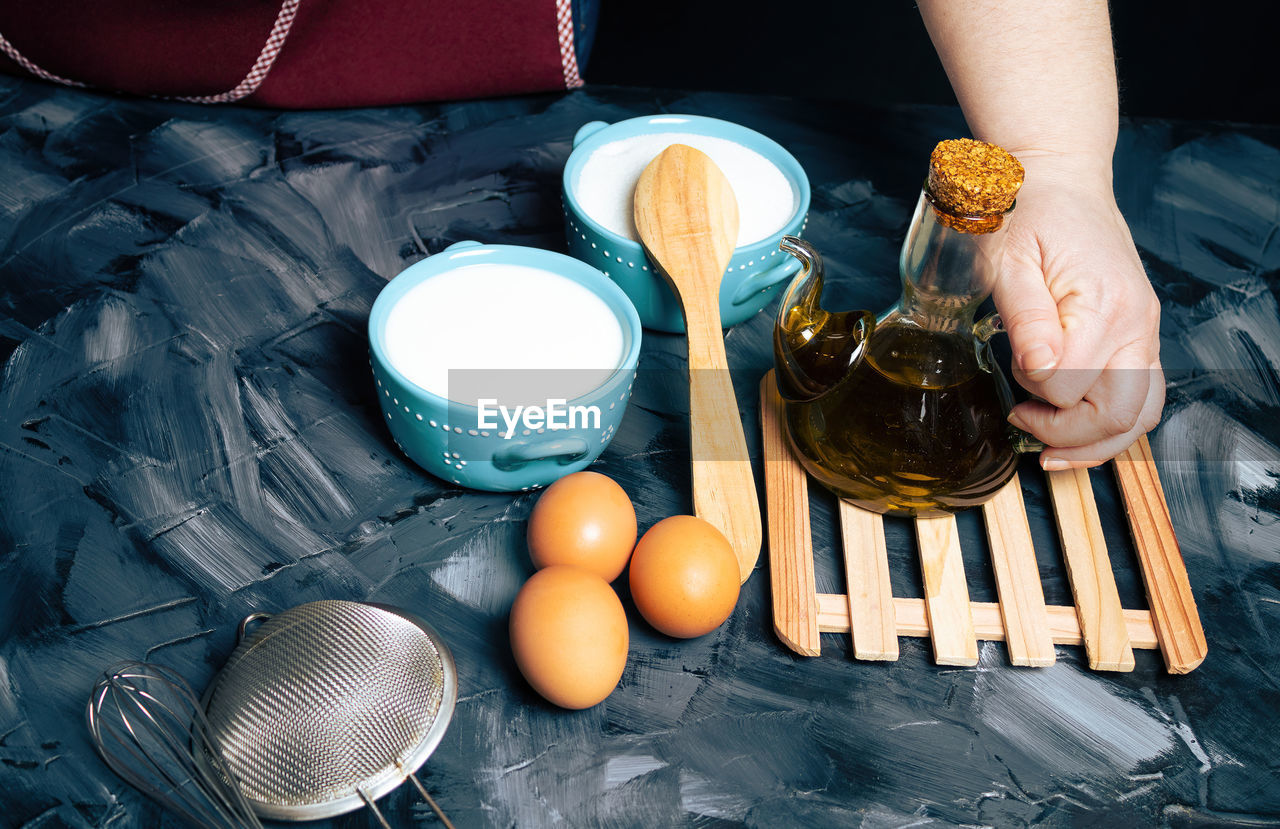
(188, 434)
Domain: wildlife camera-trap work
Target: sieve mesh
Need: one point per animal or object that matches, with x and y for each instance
(327, 698)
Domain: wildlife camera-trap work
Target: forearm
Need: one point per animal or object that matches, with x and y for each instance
(1037, 78)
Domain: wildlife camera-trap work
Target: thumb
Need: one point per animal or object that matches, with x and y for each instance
(1030, 315)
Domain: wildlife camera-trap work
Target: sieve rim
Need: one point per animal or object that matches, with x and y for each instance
(391, 779)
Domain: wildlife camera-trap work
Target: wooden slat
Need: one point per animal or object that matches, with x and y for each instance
(866, 568)
(1064, 626)
(1013, 558)
(1173, 607)
(1093, 584)
(946, 593)
(791, 579)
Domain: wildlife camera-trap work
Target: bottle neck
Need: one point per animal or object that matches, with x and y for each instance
(949, 266)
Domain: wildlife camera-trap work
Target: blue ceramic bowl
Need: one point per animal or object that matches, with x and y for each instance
(445, 437)
(756, 272)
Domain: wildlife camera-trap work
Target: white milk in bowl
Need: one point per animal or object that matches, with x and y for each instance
(517, 334)
(607, 183)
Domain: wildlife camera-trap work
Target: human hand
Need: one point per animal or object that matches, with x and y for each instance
(1082, 318)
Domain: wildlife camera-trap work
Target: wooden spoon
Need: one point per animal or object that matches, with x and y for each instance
(687, 218)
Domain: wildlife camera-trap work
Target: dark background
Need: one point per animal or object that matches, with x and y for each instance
(1208, 61)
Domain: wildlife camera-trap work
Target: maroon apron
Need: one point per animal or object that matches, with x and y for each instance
(299, 54)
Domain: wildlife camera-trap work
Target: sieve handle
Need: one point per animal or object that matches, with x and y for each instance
(422, 790)
(373, 808)
(248, 620)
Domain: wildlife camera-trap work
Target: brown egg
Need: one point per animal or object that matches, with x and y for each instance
(569, 636)
(586, 520)
(684, 577)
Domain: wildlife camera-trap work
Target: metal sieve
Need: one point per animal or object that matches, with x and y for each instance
(329, 705)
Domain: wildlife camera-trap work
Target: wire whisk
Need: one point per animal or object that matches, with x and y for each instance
(150, 728)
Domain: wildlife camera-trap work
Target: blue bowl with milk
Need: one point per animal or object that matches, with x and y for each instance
(599, 182)
(500, 367)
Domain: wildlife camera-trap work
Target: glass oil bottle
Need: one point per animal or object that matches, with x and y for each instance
(906, 412)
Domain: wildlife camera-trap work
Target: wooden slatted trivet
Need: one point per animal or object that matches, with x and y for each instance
(1029, 627)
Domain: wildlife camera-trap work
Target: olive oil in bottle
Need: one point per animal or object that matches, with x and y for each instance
(906, 413)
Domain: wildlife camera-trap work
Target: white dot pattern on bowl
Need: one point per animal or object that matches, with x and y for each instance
(751, 263)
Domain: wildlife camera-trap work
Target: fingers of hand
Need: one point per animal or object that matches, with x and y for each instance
(1112, 405)
(1030, 316)
(1107, 448)
(1085, 351)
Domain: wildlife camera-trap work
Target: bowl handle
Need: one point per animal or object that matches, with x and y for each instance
(563, 451)
(756, 283)
(587, 130)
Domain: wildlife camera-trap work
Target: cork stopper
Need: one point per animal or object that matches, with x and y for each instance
(973, 181)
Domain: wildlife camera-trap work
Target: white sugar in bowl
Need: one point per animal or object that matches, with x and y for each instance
(599, 182)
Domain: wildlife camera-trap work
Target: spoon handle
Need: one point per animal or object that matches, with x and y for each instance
(724, 487)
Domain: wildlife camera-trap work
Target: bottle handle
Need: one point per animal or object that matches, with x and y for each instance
(987, 327)
(984, 329)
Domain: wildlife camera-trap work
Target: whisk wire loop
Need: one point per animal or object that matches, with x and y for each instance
(150, 729)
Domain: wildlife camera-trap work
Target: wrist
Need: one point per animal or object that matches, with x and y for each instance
(1078, 169)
